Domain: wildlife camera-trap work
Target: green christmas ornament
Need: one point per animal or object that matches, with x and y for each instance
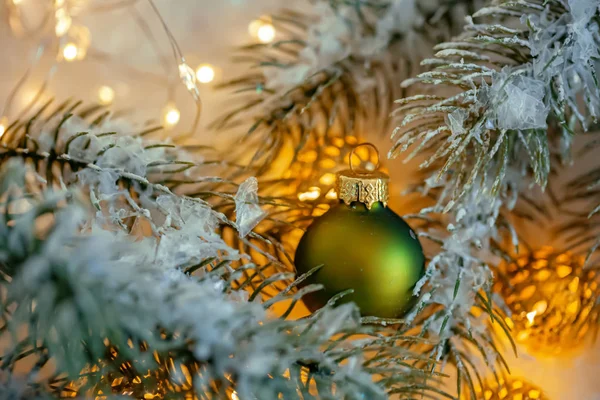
(362, 245)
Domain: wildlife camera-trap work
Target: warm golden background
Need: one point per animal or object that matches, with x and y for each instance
(141, 73)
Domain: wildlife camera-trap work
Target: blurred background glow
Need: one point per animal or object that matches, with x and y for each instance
(122, 58)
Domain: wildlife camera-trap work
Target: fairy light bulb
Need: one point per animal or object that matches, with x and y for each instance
(3, 125)
(266, 33)
(70, 52)
(254, 27)
(77, 43)
(62, 26)
(205, 73)
(171, 116)
(262, 29)
(63, 22)
(106, 95)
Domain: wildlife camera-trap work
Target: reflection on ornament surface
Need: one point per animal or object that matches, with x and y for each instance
(552, 298)
(507, 388)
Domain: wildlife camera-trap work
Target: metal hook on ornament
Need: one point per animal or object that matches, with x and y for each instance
(366, 144)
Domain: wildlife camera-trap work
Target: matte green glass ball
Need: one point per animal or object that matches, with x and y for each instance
(372, 251)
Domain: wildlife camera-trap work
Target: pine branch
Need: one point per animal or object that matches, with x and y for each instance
(67, 146)
(309, 103)
(498, 108)
(58, 142)
(140, 289)
(106, 298)
(302, 120)
(512, 85)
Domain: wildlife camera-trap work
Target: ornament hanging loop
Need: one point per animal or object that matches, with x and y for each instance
(366, 186)
(366, 144)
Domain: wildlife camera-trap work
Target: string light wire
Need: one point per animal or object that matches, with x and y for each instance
(19, 26)
(186, 73)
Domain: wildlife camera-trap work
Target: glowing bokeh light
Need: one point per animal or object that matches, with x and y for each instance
(70, 52)
(205, 73)
(266, 33)
(106, 95)
(171, 116)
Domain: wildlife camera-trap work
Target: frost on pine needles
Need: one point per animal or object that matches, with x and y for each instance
(521, 102)
(510, 87)
(333, 73)
(127, 287)
(248, 211)
(338, 31)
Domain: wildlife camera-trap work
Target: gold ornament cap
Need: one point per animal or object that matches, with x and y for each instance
(367, 187)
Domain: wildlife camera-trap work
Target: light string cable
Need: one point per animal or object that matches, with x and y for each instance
(18, 26)
(186, 73)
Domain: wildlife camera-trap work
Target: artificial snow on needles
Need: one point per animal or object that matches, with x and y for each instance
(340, 32)
(247, 210)
(520, 102)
